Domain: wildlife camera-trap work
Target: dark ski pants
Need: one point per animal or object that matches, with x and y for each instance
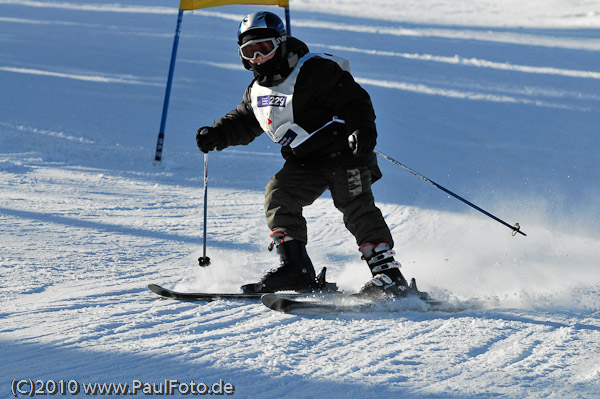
(296, 186)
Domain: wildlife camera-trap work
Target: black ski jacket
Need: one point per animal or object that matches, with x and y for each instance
(322, 90)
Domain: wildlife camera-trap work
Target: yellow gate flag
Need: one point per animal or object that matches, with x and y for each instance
(195, 4)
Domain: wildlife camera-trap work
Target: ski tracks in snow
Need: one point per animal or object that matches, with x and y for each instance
(92, 300)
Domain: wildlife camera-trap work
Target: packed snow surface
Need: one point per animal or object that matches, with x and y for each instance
(496, 100)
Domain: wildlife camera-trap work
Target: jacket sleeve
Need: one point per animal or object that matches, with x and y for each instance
(239, 126)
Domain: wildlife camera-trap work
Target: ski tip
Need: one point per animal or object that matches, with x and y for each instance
(157, 289)
(274, 302)
(289, 305)
(154, 288)
(269, 300)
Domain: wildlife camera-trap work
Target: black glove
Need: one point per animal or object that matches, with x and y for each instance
(206, 139)
(362, 142)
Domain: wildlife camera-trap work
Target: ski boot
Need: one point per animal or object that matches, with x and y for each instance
(295, 272)
(387, 279)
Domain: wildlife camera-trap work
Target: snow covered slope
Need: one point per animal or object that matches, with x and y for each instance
(496, 100)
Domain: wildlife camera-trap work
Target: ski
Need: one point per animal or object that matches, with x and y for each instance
(199, 296)
(413, 299)
(209, 296)
(288, 305)
(353, 304)
(249, 291)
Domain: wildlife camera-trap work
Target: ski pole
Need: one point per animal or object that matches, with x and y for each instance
(515, 229)
(205, 260)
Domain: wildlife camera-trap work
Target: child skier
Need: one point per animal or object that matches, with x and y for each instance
(325, 123)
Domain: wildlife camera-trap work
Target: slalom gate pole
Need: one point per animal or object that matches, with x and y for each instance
(163, 120)
(204, 260)
(515, 229)
(288, 25)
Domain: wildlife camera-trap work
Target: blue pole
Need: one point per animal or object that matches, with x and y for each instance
(163, 121)
(288, 26)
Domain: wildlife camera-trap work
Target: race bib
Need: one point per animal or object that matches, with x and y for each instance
(274, 106)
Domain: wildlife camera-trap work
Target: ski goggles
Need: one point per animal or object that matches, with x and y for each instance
(263, 47)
